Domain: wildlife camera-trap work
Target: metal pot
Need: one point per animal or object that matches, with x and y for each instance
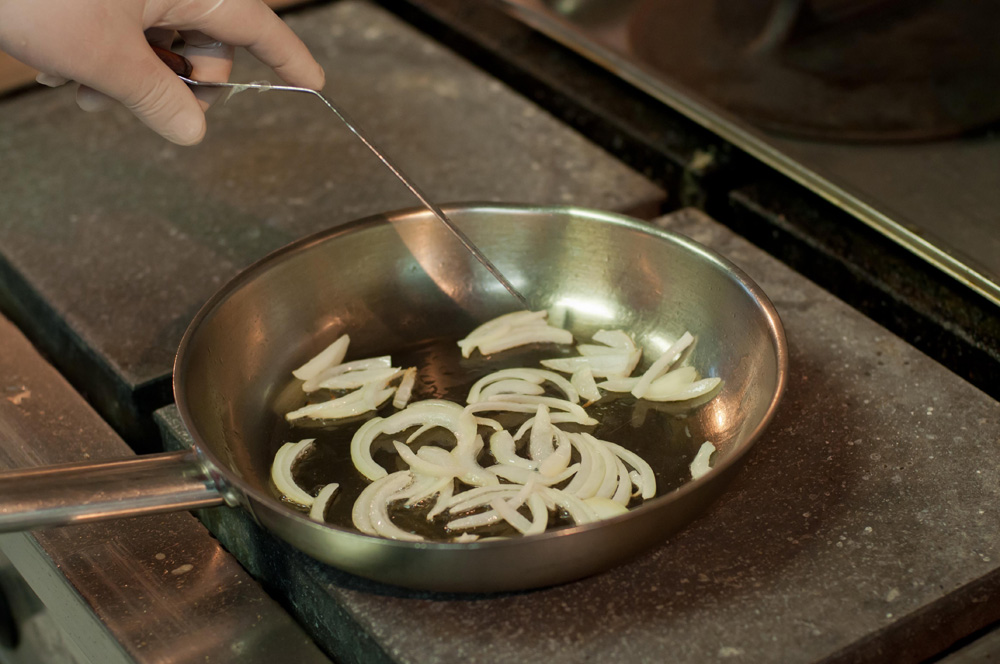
(389, 280)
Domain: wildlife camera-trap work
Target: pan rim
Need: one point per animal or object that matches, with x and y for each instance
(230, 480)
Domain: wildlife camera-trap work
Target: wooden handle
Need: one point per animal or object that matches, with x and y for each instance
(177, 62)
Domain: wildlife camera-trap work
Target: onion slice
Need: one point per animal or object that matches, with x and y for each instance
(583, 381)
(405, 389)
(352, 404)
(602, 366)
(371, 511)
(660, 366)
(527, 374)
(281, 471)
(700, 465)
(352, 379)
(692, 390)
(511, 330)
(605, 508)
(646, 478)
(511, 386)
(431, 412)
(323, 498)
(525, 336)
(328, 357)
(312, 384)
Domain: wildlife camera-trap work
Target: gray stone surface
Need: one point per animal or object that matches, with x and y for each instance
(863, 528)
(111, 238)
(150, 589)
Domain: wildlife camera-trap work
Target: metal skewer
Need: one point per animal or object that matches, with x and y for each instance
(173, 60)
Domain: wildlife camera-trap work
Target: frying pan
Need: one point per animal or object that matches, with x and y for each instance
(389, 280)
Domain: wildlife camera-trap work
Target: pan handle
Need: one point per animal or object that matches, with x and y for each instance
(94, 491)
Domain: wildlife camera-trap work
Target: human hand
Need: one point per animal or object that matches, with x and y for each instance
(104, 46)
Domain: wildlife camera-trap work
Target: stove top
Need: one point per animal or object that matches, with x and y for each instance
(936, 197)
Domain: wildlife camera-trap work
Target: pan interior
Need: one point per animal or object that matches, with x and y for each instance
(400, 284)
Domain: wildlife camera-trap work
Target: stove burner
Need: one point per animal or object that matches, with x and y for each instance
(845, 70)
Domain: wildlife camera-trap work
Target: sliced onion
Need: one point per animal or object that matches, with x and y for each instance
(352, 404)
(525, 336)
(501, 324)
(623, 491)
(646, 477)
(511, 515)
(605, 508)
(660, 366)
(671, 382)
(595, 350)
(352, 379)
(523, 475)
(578, 510)
(636, 482)
(529, 374)
(472, 473)
(539, 515)
(504, 327)
(510, 386)
(489, 423)
(423, 487)
(558, 460)
(700, 465)
(423, 466)
(318, 511)
(555, 418)
(419, 432)
(328, 357)
(503, 450)
(615, 339)
(444, 495)
(620, 361)
(474, 521)
(530, 403)
(371, 511)
(281, 471)
(584, 383)
(696, 389)
(609, 483)
(526, 490)
(602, 366)
(540, 442)
(432, 413)
(313, 383)
(599, 486)
(405, 389)
(437, 455)
(619, 384)
(588, 478)
(481, 495)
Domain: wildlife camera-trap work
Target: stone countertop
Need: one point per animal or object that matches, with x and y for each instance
(863, 528)
(149, 589)
(111, 239)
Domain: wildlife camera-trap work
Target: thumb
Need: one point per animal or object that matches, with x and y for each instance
(148, 88)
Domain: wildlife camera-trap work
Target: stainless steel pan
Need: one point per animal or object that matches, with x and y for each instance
(390, 280)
